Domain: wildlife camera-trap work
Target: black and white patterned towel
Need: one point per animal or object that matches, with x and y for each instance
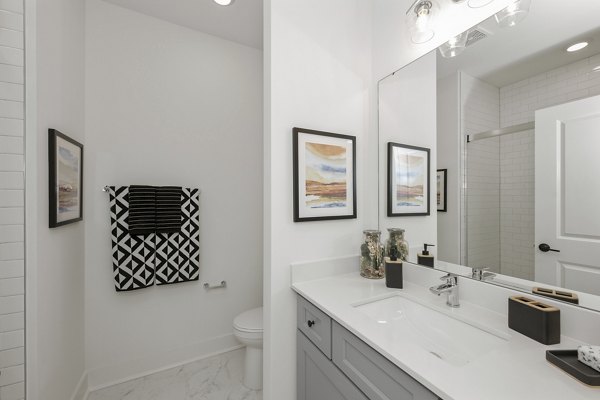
(133, 256)
(142, 210)
(164, 258)
(178, 254)
(169, 213)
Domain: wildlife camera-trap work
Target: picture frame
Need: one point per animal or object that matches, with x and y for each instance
(442, 190)
(65, 166)
(409, 184)
(324, 175)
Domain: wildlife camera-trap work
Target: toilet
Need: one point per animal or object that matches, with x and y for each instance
(248, 329)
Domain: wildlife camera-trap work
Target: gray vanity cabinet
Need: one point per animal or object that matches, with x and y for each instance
(374, 374)
(333, 364)
(318, 378)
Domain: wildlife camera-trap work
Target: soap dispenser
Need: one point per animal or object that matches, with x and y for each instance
(393, 269)
(424, 258)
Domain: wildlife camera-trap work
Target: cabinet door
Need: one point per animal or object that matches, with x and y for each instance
(315, 324)
(374, 374)
(318, 378)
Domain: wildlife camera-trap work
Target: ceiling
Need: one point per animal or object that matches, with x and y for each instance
(534, 46)
(241, 22)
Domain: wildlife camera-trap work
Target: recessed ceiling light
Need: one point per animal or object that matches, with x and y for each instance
(224, 2)
(577, 46)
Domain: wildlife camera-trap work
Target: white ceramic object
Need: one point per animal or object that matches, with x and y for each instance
(454, 339)
(248, 329)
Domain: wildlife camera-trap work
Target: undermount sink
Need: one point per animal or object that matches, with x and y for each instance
(455, 341)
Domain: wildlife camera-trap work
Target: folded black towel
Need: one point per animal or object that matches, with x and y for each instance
(142, 210)
(168, 209)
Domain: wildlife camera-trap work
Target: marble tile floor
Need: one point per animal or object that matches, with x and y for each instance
(215, 378)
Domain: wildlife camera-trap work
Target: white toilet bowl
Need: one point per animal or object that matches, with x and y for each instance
(248, 329)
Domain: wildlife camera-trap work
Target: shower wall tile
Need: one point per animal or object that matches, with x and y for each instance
(517, 204)
(520, 100)
(480, 112)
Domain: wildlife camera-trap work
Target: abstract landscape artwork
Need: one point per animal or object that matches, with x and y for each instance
(66, 179)
(324, 175)
(408, 180)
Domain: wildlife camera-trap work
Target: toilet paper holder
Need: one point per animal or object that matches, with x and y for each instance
(222, 285)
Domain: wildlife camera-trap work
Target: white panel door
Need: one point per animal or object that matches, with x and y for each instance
(567, 195)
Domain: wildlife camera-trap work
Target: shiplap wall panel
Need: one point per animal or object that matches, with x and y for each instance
(12, 195)
(11, 73)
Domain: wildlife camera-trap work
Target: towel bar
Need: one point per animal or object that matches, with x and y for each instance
(223, 284)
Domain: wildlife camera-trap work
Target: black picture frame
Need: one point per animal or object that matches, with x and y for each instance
(55, 140)
(442, 201)
(404, 211)
(302, 213)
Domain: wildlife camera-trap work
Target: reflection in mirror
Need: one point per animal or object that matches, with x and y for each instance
(518, 131)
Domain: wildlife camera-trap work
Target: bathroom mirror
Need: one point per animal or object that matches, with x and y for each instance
(512, 114)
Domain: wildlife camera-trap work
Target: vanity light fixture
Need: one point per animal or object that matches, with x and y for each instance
(454, 46)
(577, 47)
(224, 2)
(479, 3)
(422, 15)
(513, 14)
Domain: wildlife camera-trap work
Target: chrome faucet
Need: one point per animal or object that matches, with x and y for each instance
(482, 274)
(450, 287)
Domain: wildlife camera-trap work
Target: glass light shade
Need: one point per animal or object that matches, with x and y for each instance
(513, 14)
(479, 3)
(422, 17)
(454, 46)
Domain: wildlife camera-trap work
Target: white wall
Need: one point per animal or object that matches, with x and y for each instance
(167, 105)
(12, 195)
(448, 139)
(407, 115)
(318, 62)
(60, 252)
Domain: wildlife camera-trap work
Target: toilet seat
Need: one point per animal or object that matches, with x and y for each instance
(250, 321)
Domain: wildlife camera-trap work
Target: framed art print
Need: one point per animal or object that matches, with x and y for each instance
(324, 175)
(408, 180)
(65, 179)
(442, 190)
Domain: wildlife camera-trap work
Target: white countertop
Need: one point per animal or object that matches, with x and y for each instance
(516, 370)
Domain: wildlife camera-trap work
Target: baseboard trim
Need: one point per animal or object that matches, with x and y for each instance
(110, 375)
(81, 390)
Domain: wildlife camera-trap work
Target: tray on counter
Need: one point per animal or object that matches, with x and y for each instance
(568, 362)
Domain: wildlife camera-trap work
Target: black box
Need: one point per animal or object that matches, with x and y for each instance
(393, 274)
(533, 319)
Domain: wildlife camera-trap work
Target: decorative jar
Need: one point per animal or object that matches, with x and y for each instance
(396, 244)
(371, 255)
